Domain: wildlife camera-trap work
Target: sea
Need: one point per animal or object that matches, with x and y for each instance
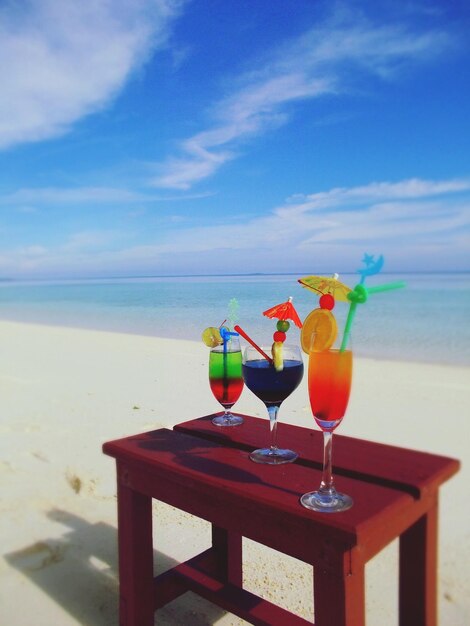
(428, 320)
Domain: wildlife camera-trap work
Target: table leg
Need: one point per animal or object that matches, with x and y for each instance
(339, 594)
(418, 571)
(136, 606)
(228, 549)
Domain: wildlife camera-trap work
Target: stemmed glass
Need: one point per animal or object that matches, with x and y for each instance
(329, 386)
(225, 379)
(272, 387)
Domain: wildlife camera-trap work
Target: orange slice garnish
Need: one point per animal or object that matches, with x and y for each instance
(319, 331)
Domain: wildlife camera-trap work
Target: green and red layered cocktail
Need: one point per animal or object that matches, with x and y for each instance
(225, 371)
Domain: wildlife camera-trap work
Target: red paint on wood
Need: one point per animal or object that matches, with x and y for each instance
(135, 555)
(227, 547)
(232, 598)
(418, 572)
(208, 473)
(408, 470)
(339, 590)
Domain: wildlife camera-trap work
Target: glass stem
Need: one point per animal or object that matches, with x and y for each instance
(326, 485)
(273, 410)
(227, 410)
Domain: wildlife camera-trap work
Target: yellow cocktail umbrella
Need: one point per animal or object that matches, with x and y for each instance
(326, 285)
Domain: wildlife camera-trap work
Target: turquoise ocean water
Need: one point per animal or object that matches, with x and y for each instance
(427, 321)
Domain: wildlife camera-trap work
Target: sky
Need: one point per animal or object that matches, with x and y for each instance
(168, 137)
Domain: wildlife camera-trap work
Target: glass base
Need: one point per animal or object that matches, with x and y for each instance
(326, 502)
(227, 420)
(273, 456)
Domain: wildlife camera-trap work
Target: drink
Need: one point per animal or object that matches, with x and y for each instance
(225, 376)
(270, 386)
(225, 379)
(330, 370)
(329, 385)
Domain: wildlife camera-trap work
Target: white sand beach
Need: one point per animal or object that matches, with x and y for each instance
(64, 392)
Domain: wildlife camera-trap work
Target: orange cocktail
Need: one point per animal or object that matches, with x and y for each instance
(329, 386)
(330, 370)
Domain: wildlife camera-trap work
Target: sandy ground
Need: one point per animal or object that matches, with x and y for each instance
(64, 392)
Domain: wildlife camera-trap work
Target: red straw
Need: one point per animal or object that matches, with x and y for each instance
(250, 340)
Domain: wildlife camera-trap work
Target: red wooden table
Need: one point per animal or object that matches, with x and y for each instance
(205, 470)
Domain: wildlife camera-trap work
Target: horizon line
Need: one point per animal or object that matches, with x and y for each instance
(222, 275)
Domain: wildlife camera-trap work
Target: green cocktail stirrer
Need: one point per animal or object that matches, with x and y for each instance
(360, 293)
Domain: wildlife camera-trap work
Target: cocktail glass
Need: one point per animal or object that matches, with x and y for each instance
(226, 380)
(329, 386)
(272, 387)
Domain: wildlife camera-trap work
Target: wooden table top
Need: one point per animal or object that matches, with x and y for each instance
(206, 470)
(404, 469)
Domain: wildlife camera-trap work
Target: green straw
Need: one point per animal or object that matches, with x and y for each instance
(357, 296)
(387, 287)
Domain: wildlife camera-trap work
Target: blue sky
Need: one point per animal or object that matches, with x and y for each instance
(143, 137)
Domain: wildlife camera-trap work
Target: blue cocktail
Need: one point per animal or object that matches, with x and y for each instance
(272, 387)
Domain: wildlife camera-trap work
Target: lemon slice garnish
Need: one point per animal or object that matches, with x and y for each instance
(211, 337)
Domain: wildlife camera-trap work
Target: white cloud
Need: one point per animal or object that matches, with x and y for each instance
(406, 189)
(71, 195)
(66, 196)
(32, 252)
(416, 224)
(62, 60)
(87, 241)
(371, 213)
(320, 62)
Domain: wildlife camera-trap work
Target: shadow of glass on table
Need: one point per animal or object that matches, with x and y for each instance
(194, 453)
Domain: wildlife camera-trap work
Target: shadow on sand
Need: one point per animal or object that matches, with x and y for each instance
(80, 572)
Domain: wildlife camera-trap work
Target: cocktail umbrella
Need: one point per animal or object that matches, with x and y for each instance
(326, 285)
(284, 311)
